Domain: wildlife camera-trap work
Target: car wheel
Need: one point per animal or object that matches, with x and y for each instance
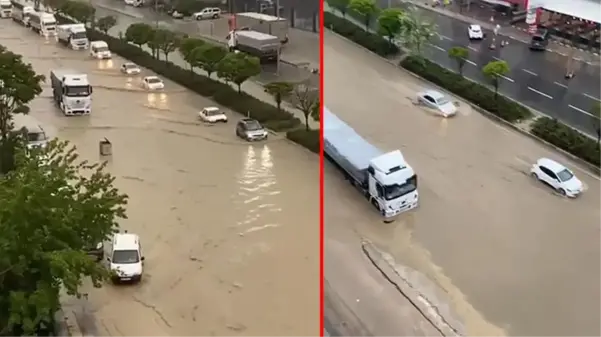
(198, 18)
(215, 16)
(561, 191)
(534, 175)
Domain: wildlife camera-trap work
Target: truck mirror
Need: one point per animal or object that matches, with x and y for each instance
(90, 89)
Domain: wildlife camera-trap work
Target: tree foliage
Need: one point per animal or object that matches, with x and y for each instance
(53, 207)
(389, 23)
(366, 8)
(208, 57)
(54, 4)
(166, 41)
(305, 98)
(341, 5)
(416, 30)
(186, 47)
(460, 55)
(596, 112)
(316, 111)
(237, 68)
(81, 11)
(139, 33)
(279, 91)
(105, 23)
(494, 71)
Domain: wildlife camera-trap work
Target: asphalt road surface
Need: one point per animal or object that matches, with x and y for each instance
(535, 78)
(229, 229)
(513, 257)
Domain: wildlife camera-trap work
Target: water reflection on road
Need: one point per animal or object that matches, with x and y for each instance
(229, 229)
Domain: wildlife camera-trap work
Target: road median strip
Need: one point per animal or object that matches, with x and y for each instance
(566, 140)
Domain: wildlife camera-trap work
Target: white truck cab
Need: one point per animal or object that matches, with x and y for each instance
(125, 259)
(73, 35)
(20, 13)
(43, 23)
(100, 50)
(6, 8)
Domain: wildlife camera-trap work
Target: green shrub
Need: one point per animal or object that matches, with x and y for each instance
(373, 42)
(286, 124)
(308, 139)
(567, 139)
(476, 93)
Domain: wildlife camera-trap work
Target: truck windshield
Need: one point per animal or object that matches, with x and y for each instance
(6, 6)
(101, 49)
(79, 36)
(395, 191)
(78, 91)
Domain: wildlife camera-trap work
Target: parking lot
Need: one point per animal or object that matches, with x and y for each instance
(513, 257)
(229, 229)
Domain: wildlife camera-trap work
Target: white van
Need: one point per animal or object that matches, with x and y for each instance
(100, 50)
(36, 136)
(125, 260)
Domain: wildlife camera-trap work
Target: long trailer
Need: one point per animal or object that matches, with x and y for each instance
(385, 179)
(264, 23)
(264, 46)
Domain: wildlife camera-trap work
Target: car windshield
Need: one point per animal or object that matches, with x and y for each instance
(125, 256)
(213, 112)
(78, 91)
(36, 136)
(537, 38)
(253, 126)
(564, 175)
(79, 35)
(131, 66)
(395, 191)
(101, 49)
(153, 80)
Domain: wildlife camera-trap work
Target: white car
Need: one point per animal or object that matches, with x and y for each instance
(125, 260)
(438, 102)
(212, 115)
(177, 15)
(152, 83)
(475, 32)
(130, 68)
(207, 13)
(557, 176)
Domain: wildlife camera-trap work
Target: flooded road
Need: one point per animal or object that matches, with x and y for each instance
(230, 230)
(512, 257)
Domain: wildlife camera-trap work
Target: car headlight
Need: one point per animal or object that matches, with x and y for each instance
(99, 245)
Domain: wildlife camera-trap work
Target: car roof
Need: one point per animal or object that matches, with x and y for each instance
(551, 164)
(434, 94)
(149, 77)
(129, 64)
(211, 108)
(122, 241)
(475, 27)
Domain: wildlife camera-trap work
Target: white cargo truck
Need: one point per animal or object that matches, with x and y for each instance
(71, 91)
(264, 46)
(6, 8)
(21, 12)
(43, 23)
(264, 23)
(73, 36)
(385, 179)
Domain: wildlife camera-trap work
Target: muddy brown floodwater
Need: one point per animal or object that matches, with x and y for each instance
(230, 230)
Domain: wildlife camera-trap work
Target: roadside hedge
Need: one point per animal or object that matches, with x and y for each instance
(476, 93)
(351, 31)
(308, 139)
(568, 139)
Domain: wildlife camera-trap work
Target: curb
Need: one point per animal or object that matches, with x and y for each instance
(586, 165)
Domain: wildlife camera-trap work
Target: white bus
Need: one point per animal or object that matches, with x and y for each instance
(20, 12)
(6, 8)
(43, 23)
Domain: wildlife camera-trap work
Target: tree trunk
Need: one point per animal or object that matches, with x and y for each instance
(240, 88)
(279, 104)
(306, 122)
(166, 57)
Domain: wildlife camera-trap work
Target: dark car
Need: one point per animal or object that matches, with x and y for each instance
(97, 252)
(250, 129)
(540, 40)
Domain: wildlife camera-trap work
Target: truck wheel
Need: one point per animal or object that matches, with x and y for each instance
(376, 205)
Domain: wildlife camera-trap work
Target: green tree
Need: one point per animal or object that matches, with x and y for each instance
(237, 68)
(304, 100)
(166, 41)
(341, 5)
(316, 112)
(138, 33)
(54, 4)
(494, 70)
(208, 57)
(186, 47)
(416, 30)
(105, 23)
(366, 8)
(389, 23)
(19, 85)
(53, 209)
(460, 55)
(80, 11)
(596, 112)
(279, 91)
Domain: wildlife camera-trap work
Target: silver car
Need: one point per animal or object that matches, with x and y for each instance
(250, 129)
(438, 102)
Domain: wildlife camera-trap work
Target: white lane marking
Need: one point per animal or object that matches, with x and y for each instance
(471, 62)
(436, 47)
(582, 111)
(507, 78)
(560, 84)
(592, 97)
(540, 93)
(472, 49)
(530, 72)
(496, 58)
(445, 38)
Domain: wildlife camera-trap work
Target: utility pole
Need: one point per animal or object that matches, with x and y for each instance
(277, 14)
(156, 14)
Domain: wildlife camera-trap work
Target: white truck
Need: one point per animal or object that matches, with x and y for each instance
(385, 179)
(71, 91)
(264, 46)
(264, 23)
(6, 8)
(73, 36)
(43, 23)
(21, 12)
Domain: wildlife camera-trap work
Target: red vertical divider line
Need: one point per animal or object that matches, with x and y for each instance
(321, 176)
